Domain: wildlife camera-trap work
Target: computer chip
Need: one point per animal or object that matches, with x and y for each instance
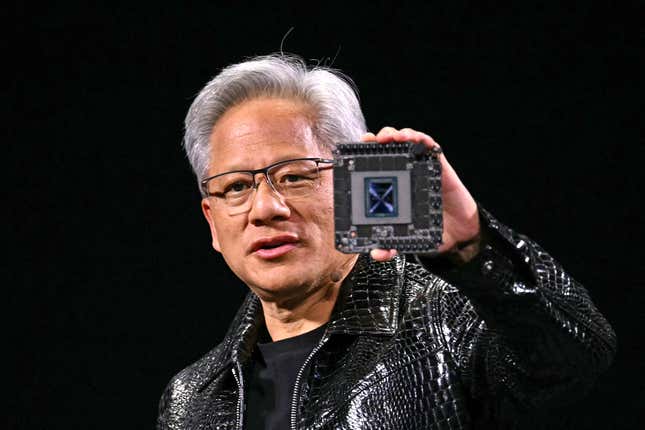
(387, 196)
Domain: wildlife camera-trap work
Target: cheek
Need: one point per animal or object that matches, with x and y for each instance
(327, 206)
(228, 236)
(323, 218)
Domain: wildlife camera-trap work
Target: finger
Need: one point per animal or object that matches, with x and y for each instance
(409, 135)
(386, 134)
(428, 141)
(383, 254)
(368, 137)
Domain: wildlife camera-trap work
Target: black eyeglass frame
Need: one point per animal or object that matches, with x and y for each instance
(264, 171)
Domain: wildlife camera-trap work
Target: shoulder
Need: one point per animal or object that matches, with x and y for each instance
(420, 284)
(199, 371)
(182, 389)
(187, 391)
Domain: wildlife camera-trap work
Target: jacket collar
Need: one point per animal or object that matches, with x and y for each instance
(368, 303)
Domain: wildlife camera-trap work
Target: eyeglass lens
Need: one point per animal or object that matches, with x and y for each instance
(293, 179)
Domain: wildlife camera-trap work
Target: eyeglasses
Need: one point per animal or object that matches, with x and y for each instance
(291, 179)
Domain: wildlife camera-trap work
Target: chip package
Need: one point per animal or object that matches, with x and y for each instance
(387, 196)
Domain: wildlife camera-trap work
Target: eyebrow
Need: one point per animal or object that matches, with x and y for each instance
(235, 168)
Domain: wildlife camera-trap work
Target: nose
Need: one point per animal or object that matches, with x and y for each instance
(267, 205)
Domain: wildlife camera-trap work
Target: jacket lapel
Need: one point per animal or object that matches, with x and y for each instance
(368, 302)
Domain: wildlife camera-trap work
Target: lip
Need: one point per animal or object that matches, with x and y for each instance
(278, 246)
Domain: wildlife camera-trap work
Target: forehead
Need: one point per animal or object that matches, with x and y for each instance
(259, 132)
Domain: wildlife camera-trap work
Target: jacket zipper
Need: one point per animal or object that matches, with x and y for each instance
(240, 394)
(296, 387)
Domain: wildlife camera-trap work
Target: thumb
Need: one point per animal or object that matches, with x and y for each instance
(368, 137)
(383, 254)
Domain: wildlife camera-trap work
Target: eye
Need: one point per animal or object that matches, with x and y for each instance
(233, 187)
(236, 188)
(292, 178)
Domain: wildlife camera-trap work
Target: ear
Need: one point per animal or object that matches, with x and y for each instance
(207, 210)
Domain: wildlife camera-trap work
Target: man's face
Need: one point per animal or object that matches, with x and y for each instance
(253, 135)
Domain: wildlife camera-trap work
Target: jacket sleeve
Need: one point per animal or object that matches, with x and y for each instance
(174, 402)
(522, 332)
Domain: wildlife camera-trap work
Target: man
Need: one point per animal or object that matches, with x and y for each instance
(479, 336)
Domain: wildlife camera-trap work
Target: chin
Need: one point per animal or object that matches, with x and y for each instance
(282, 281)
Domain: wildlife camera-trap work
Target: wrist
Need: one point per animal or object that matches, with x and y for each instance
(463, 252)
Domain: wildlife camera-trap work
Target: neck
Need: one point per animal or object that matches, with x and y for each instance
(285, 319)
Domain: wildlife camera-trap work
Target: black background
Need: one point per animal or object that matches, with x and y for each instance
(112, 284)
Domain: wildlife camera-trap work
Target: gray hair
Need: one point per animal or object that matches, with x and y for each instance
(331, 94)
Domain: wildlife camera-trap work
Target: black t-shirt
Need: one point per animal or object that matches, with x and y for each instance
(275, 369)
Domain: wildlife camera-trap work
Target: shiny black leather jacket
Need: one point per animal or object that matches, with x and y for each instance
(408, 348)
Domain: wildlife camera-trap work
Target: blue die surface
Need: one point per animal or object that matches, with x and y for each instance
(381, 197)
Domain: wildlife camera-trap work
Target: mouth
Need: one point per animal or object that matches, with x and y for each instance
(274, 247)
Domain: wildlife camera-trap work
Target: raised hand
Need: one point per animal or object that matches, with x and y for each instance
(460, 214)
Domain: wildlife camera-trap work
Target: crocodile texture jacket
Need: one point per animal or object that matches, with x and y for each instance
(410, 347)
